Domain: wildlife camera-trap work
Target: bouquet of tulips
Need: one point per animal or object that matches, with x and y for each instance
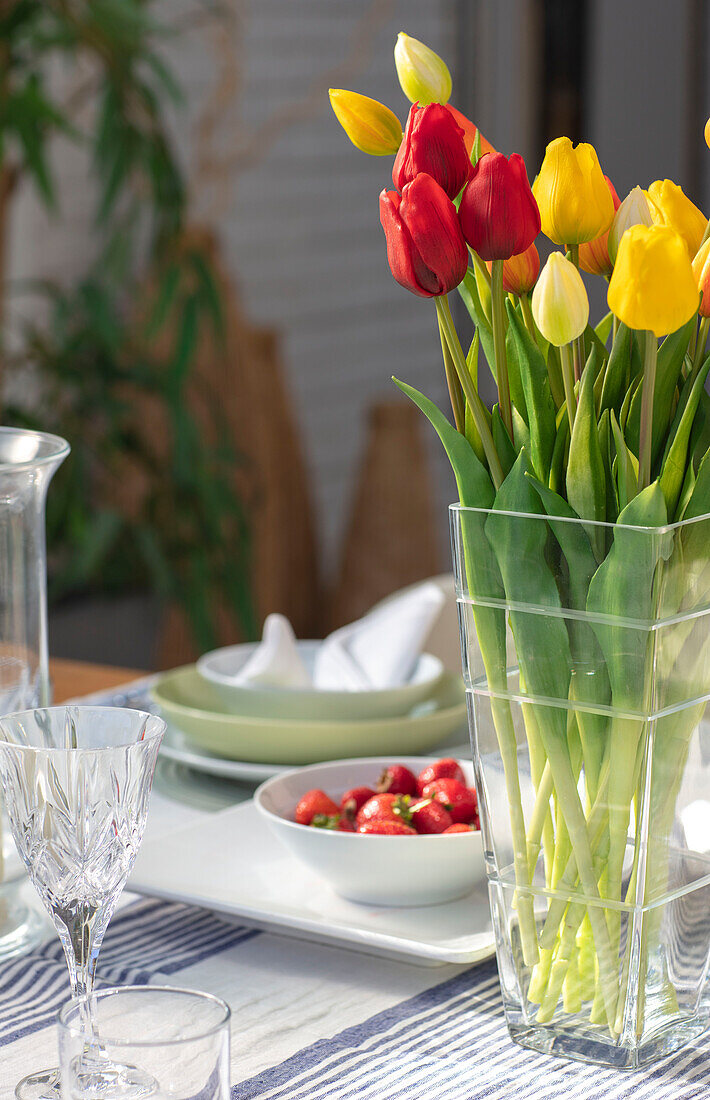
(599, 424)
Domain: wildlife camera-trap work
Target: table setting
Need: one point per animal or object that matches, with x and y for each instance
(206, 890)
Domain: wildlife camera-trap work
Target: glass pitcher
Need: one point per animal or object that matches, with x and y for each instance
(27, 462)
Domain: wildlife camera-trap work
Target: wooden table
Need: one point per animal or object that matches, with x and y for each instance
(71, 678)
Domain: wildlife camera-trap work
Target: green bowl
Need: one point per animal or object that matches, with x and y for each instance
(190, 703)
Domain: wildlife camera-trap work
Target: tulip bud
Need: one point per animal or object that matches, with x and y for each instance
(701, 271)
(520, 272)
(571, 192)
(594, 256)
(433, 143)
(634, 210)
(498, 214)
(559, 302)
(652, 286)
(671, 206)
(425, 247)
(423, 76)
(371, 126)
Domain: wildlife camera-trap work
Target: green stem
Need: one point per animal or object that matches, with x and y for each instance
(527, 315)
(568, 382)
(646, 428)
(476, 405)
(700, 348)
(458, 403)
(498, 310)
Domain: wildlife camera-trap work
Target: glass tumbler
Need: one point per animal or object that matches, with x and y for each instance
(77, 782)
(159, 1042)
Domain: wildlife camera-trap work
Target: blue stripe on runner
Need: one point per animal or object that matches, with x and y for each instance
(147, 938)
(351, 1038)
(451, 1040)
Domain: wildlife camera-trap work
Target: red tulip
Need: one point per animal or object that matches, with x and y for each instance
(433, 142)
(498, 213)
(425, 247)
(469, 132)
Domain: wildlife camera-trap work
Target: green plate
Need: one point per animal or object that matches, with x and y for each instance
(190, 703)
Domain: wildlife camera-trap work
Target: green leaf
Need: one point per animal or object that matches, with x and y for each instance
(556, 480)
(591, 340)
(699, 503)
(627, 467)
(674, 461)
(468, 291)
(622, 589)
(670, 362)
(605, 446)
(586, 489)
(539, 406)
(519, 543)
(472, 479)
(603, 329)
(618, 369)
(502, 441)
(482, 574)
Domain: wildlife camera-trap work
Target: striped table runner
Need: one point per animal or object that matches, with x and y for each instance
(447, 1041)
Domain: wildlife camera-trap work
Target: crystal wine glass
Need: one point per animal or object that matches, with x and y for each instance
(77, 782)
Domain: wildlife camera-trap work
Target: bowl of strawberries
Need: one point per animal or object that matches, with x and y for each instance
(346, 820)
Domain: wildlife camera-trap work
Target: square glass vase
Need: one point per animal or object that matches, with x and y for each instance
(586, 659)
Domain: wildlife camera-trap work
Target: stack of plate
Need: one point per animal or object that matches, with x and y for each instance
(250, 733)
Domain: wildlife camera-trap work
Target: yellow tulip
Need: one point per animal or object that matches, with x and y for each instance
(559, 301)
(652, 286)
(370, 125)
(573, 196)
(423, 76)
(671, 206)
(707, 133)
(701, 271)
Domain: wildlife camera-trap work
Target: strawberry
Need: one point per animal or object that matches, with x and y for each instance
(460, 828)
(314, 802)
(457, 798)
(430, 816)
(396, 779)
(353, 799)
(446, 768)
(380, 807)
(346, 825)
(386, 827)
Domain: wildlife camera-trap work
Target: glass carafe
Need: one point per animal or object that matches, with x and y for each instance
(27, 462)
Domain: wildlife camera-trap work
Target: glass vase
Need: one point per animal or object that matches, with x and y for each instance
(586, 659)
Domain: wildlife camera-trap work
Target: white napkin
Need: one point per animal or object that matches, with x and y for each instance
(381, 649)
(276, 662)
(378, 651)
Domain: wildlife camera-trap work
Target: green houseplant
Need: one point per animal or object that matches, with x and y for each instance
(122, 341)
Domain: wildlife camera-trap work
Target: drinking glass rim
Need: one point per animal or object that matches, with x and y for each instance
(60, 451)
(147, 739)
(199, 994)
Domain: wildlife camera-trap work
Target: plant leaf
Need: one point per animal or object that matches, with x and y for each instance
(586, 488)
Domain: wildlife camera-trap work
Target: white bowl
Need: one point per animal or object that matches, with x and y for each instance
(374, 870)
(219, 666)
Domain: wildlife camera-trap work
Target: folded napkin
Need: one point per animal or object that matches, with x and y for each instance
(276, 661)
(380, 650)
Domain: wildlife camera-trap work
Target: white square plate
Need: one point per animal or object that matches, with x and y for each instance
(230, 862)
